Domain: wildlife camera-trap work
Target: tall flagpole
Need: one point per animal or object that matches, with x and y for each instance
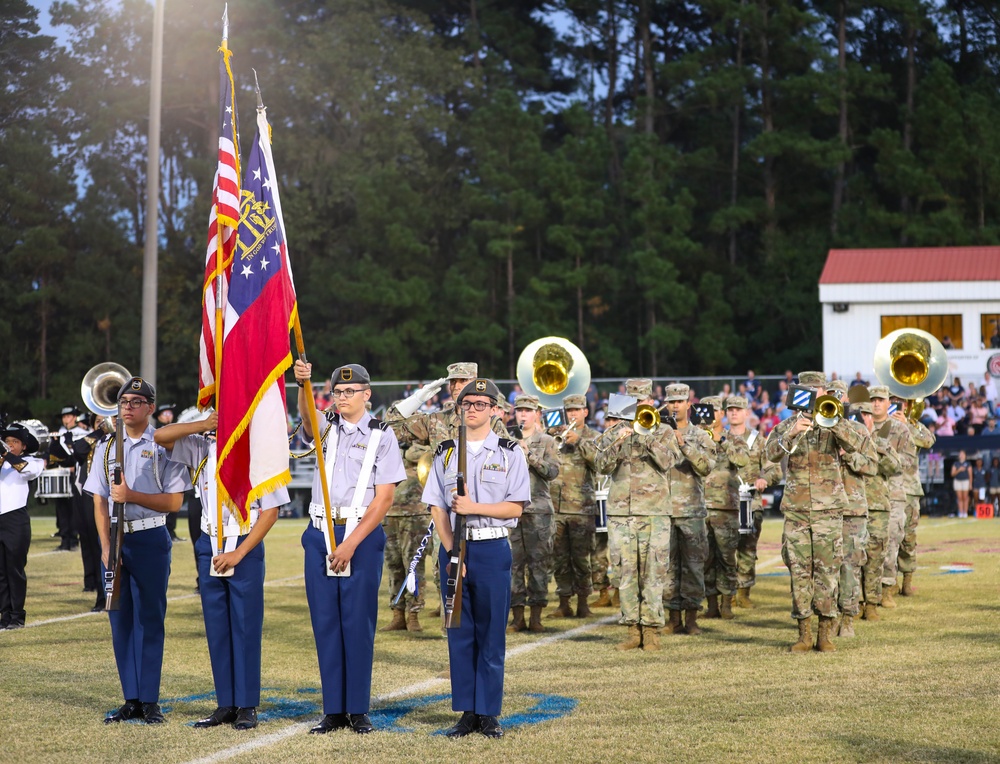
(219, 336)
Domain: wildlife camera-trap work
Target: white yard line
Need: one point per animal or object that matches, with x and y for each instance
(300, 727)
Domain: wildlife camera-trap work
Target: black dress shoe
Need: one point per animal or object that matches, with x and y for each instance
(89, 589)
(468, 724)
(98, 606)
(152, 714)
(490, 727)
(221, 715)
(360, 723)
(330, 723)
(130, 709)
(246, 719)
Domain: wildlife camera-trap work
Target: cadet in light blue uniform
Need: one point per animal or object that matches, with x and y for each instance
(152, 487)
(233, 606)
(344, 608)
(497, 490)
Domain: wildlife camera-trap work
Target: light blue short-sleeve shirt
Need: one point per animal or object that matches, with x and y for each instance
(352, 445)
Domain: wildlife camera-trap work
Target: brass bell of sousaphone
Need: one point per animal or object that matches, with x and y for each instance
(551, 368)
(100, 387)
(913, 364)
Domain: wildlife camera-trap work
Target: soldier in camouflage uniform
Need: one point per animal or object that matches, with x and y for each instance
(531, 540)
(907, 557)
(856, 468)
(722, 487)
(877, 496)
(638, 521)
(405, 525)
(433, 429)
(759, 473)
(904, 487)
(685, 587)
(812, 542)
(573, 501)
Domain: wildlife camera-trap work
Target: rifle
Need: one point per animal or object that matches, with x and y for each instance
(112, 575)
(453, 616)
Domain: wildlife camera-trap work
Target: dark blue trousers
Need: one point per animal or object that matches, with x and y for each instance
(477, 648)
(343, 612)
(234, 623)
(137, 626)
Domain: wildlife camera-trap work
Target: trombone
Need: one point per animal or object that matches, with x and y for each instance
(648, 419)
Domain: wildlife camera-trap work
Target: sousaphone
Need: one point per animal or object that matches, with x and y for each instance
(551, 368)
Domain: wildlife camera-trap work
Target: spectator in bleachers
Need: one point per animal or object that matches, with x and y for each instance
(989, 392)
(768, 420)
(977, 414)
(947, 343)
(956, 392)
(858, 380)
(945, 422)
(991, 429)
(751, 385)
(995, 339)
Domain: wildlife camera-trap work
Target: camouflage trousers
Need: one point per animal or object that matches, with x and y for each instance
(599, 562)
(531, 550)
(723, 528)
(574, 536)
(907, 558)
(897, 527)
(639, 547)
(871, 573)
(746, 553)
(685, 589)
(855, 557)
(402, 539)
(812, 546)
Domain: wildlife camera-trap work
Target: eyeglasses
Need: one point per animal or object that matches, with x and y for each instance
(477, 405)
(133, 403)
(347, 392)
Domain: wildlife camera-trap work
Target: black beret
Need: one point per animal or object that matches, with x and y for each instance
(480, 387)
(350, 373)
(138, 386)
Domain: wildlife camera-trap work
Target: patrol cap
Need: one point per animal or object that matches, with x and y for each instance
(138, 386)
(812, 379)
(715, 401)
(23, 434)
(350, 373)
(463, 370)
(878, 391)
(481, 387)
(862, 407)
(837, 384)
(736, 402)
(575, 401)
(639, 388)
(70, 409)
(676, 392)
(525, 401)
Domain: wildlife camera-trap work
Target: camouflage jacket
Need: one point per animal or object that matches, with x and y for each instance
(543, 467)
(433, 429)
(922, 437)
(877, 486)
(573, 488)
(814, 482)
(758, 467)
(722, 486)
(406, 498)
(857, 467)
(687, 476)
(906, 482)
(639, 466)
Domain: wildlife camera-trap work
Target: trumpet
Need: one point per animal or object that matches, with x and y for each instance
(827, 411)
(561, 437)
(648, 418)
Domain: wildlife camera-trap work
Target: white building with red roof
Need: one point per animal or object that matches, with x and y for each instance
(951, 292)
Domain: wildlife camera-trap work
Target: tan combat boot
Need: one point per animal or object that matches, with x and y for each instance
(398, 622)
(871, 612)
(691, 621)
(634, 639)
(603, 600)
(743, 598)
(846, 626)
(804, 645)
(436, 612)
(582, 608)
(565, 609)
(713, 607)
(726, 608)
(412, 622)
(517, 623)
(674, 626)
(887, 596)
(615, 600)
(651, 639)
(536, 619)
(823, 643)
(907, 590)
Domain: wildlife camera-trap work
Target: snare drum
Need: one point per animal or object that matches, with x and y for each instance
(55, 483)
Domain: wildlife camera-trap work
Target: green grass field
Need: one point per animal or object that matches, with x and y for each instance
(920, 686)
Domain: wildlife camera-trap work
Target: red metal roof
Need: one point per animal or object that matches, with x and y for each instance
(891, 266)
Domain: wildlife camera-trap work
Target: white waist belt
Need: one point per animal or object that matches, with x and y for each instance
(230, 529)
(132, 526)
(340, 515)
(486, 534)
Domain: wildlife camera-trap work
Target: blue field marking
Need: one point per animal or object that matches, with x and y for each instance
(547, 708)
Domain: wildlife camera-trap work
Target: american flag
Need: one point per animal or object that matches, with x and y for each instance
(222, 223)
(260, 311)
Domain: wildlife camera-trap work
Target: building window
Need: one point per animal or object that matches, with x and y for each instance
(945, 328)
(991, 330)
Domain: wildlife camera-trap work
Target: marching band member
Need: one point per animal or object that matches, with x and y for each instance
(16, 470)
(69, 510)
(906, 559)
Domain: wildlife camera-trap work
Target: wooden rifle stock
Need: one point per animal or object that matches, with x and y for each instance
(453, 598)
(112, 575)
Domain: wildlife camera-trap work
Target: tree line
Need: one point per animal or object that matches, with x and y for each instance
(658, 181)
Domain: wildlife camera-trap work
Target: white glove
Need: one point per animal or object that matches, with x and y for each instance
(408, 406)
